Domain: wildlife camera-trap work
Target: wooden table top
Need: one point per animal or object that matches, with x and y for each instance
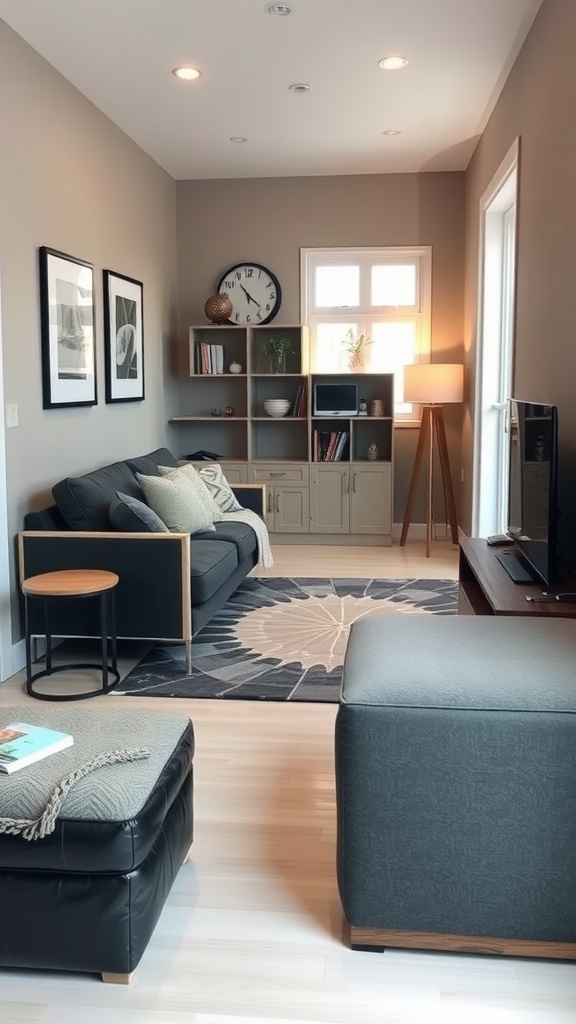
(70, 583)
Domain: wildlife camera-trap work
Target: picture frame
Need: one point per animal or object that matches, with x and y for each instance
(67, 327)
(123, 338)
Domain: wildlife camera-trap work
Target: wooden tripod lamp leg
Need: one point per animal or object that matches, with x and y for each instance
(425, 427)
(440, 432)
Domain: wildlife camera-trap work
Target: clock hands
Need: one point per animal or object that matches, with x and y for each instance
(249, 297)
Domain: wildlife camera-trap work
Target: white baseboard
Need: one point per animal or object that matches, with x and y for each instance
(16, 660)
(416, 531)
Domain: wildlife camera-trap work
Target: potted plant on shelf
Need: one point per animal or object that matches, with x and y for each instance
(356, 347)
(277, 349)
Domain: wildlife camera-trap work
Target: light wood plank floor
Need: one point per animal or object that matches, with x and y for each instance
(252, 928)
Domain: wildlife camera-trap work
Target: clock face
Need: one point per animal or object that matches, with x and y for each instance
(254, 292)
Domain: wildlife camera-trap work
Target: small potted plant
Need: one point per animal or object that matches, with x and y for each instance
(356, 346)
(277, 349)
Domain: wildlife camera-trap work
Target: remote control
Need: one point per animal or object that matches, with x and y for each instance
(498, 538)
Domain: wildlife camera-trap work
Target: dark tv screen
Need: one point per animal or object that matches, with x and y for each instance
(532, 495)
(335, 399)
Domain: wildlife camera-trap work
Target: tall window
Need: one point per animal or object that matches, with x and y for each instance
(384, 294)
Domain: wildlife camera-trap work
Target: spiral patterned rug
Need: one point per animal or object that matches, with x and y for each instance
(282, 639)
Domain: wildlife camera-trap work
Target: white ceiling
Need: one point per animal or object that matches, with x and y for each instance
(120, 53)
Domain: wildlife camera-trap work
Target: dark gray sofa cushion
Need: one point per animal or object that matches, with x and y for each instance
(129, 514)
(240, 534)
(84, 501)
(148, 464)
(213, 561)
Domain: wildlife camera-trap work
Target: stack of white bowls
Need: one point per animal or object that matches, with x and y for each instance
(277, 406)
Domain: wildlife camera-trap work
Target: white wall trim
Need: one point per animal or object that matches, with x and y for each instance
(509, 166)
(5, 595)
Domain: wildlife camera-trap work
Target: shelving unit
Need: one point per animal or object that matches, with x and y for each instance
(352, 495)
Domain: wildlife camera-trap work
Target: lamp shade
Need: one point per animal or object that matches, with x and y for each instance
(433, 383)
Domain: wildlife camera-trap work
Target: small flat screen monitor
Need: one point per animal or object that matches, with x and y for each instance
(335, 399)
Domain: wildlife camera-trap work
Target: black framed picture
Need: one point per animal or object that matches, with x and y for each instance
(67, 330)
(123, 338)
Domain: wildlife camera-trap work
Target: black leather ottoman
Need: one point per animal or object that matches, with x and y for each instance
(87, 897)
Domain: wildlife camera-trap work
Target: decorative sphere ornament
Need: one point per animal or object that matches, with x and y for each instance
(218, 309)
(235, 368)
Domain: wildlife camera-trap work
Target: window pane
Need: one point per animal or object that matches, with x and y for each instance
(394, 346)
(337, 286)
(394, 285)
(331, 355)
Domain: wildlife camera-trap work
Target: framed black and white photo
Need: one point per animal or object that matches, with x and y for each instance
(67, 330)
(123, 338)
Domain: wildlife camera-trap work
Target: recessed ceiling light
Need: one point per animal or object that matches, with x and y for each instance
(392, 131)
(299, 87)
(188, 74)
(238, 138)
(280, 10)
(392, 63)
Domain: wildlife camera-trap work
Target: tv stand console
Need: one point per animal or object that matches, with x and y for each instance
(485, 588)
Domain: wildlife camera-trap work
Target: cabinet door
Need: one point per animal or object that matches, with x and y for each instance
(291, 507)
(371, 498)
(329, 499)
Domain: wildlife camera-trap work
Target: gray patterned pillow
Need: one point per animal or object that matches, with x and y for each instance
(219, 488)
(176, 500)
(131, 515)
(202, 492)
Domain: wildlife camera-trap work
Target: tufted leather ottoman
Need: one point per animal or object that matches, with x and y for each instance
(87, 897)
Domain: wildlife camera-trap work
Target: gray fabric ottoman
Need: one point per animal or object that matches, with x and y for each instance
(87, 896)
(456, 784)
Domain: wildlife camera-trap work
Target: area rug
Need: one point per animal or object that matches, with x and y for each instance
(281, 639)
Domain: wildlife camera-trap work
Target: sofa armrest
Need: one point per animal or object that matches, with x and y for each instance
(252, 496)
(153, 597)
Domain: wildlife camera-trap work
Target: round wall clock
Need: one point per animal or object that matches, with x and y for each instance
(254, 292)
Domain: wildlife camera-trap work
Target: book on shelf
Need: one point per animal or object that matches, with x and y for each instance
(210, 358)
(329, 446)
(299, 405)
(22, 744)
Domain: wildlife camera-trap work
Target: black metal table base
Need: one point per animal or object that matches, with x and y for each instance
(30, 680)
(108, 667)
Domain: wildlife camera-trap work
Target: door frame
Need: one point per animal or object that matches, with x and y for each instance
(506, 177)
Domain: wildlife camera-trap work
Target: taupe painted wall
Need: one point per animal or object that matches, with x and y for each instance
(71, 180)
(269, 219)
(537, 104)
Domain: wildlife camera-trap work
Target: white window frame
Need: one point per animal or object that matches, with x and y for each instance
(364, 315)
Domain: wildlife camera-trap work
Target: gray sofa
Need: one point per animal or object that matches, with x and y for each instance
(456, 784)
(170, 585)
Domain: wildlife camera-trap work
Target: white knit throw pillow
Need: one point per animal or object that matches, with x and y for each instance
(177, 501)
(169, 472)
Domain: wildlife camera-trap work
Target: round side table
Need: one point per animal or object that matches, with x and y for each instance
(73, 584)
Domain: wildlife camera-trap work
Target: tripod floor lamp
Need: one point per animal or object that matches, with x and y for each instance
(432, 385)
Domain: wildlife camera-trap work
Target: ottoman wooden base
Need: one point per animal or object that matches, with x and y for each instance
(88, 896)
(377, 939)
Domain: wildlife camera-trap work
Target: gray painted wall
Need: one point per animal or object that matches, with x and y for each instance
(536, 104)
(71, 180)
(269, 219)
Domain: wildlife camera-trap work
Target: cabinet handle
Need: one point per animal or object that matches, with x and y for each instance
(354, 484)
(277, 502)
(270, 502)
(278, 474)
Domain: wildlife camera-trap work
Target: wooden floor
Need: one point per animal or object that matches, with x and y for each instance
(252, 930)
